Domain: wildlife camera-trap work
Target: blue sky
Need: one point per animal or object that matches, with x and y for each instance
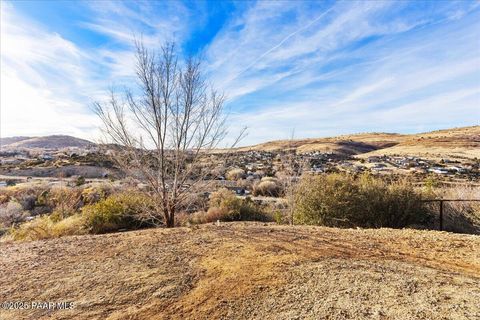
(317, 67)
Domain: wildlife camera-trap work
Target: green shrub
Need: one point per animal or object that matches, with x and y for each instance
(119, 211)
(341, 200)
(80, 181)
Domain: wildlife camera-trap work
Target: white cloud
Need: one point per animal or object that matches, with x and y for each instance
(40, 74)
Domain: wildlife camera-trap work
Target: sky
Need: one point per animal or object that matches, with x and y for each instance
(315, 68)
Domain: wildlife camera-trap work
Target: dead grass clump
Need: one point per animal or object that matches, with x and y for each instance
(268, 187)
(45, 228)
(235, 174)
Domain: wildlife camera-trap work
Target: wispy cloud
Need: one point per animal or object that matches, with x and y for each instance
(320, 67)
(359, 60)
(40, 76)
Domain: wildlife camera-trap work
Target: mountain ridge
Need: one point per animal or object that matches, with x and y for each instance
(44, 142)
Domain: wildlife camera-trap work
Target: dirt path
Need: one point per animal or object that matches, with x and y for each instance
(247, 271)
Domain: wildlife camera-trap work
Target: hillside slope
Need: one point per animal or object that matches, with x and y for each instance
(46, 142)
(347, 144)
(452, 143)
(10, 140)
(247, 271)
(456, 142)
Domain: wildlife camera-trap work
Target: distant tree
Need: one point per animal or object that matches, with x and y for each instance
(165, 130)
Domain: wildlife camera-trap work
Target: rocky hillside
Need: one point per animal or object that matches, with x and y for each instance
(457, 142)
(247, 271)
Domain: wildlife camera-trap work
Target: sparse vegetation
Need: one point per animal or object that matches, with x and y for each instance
(235, 174)
(225, 206)
(11, 213)
(268, 186)
(341, 200)
(125, 210)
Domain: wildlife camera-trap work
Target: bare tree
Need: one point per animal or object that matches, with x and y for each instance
(166, 129)
(292, 167)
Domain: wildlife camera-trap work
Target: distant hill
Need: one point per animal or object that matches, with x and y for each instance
(46, 142)
(450, 143)
(456, 142)
(10, 140)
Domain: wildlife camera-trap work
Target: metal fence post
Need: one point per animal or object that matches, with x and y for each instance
(441, 215)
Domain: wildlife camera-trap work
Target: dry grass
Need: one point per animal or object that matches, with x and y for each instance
(247, 271)
(453, 143)
(456, 142)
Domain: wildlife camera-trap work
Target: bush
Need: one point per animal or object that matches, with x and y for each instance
(119, 211)
(63, 202)
(96, 193)
(45, 228)
(340, 200)
(225, 206)
(235, 174)
(11, 213)
(267, 187)
(80, 181)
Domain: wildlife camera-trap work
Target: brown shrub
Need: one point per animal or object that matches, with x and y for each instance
(340, 200)
(268, 188)
(235, 174)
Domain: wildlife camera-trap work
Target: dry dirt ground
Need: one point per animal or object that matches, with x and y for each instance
(247, 271)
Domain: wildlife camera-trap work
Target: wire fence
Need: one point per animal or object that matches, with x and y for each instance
(441, 207)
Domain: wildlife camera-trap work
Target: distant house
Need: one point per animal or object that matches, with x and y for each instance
(46, 157)
(239, 191)
(438, 170)
(457, 169)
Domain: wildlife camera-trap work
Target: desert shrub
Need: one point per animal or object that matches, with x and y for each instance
(60, 201)
(225, 206)
(28, 201)
(96, 193)
(45, 228)
(37, 229)
(267, 187)
(64, 201)
(80, 181)
(235, 174)
(4, 198)
(73, 225)
(344, 201)
(11, 213)
(119, 211)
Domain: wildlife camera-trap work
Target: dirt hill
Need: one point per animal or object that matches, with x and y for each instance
(247, 271)
(452, 143)
(348, 144)
(47, 142)
(456, 142)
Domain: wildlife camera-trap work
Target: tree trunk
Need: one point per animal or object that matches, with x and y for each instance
(170, 219)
